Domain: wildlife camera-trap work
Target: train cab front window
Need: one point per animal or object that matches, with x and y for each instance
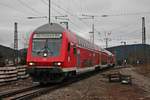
(46, 44)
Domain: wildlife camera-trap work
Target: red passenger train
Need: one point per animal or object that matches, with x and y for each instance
(55, 53)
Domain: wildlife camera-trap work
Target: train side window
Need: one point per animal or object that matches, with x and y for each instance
(68, 47)
(74, 50)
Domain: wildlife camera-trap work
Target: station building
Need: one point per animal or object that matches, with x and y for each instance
(131, 54)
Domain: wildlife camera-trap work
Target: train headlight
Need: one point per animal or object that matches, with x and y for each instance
(31, 63)
(45, 54)
(57, 63)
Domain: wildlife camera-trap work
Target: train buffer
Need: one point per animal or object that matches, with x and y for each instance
(118, 77)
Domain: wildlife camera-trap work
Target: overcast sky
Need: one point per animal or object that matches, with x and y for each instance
(124, 20)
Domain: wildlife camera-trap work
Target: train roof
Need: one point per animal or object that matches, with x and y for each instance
(108, 52)
(52, 27)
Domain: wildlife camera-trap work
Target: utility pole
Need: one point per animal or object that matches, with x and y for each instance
(93, 30)
(107, 38)
(49, 11)
(15, 43)
(106, 42)
(143, 31)
(124, 61)
(144, 39)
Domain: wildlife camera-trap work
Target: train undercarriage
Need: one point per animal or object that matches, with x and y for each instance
(52, 75)
(49, 75)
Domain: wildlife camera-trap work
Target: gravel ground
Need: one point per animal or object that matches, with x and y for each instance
(98, 88)
(143, 70)
(140, 80)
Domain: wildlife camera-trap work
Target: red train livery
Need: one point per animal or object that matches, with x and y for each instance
(55, 52)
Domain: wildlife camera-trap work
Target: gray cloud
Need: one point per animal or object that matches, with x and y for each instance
(123, 27)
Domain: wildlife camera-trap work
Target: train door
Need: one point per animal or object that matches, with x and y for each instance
(78, 58)
(100, 59)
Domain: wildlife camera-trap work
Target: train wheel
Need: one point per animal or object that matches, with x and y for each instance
(43, 83)
(97, 68)
(71, 74)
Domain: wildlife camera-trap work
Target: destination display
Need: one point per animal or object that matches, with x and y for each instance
(48, 35)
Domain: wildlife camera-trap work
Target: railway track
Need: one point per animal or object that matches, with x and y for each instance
(7, 83)
(4, 84)
(26, 95)
(14, 92)
(31, 92)
(34, 91)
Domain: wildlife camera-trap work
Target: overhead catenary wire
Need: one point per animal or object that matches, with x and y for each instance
(77, 18)
(66, 11)
(13, 8)
(126, 14)
(129, 26)
(83, 21)
(74, 24)
(73, 15)
(29, 7)
(79, 4)
(46, 3)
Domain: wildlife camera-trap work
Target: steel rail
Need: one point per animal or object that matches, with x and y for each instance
(14, 92)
